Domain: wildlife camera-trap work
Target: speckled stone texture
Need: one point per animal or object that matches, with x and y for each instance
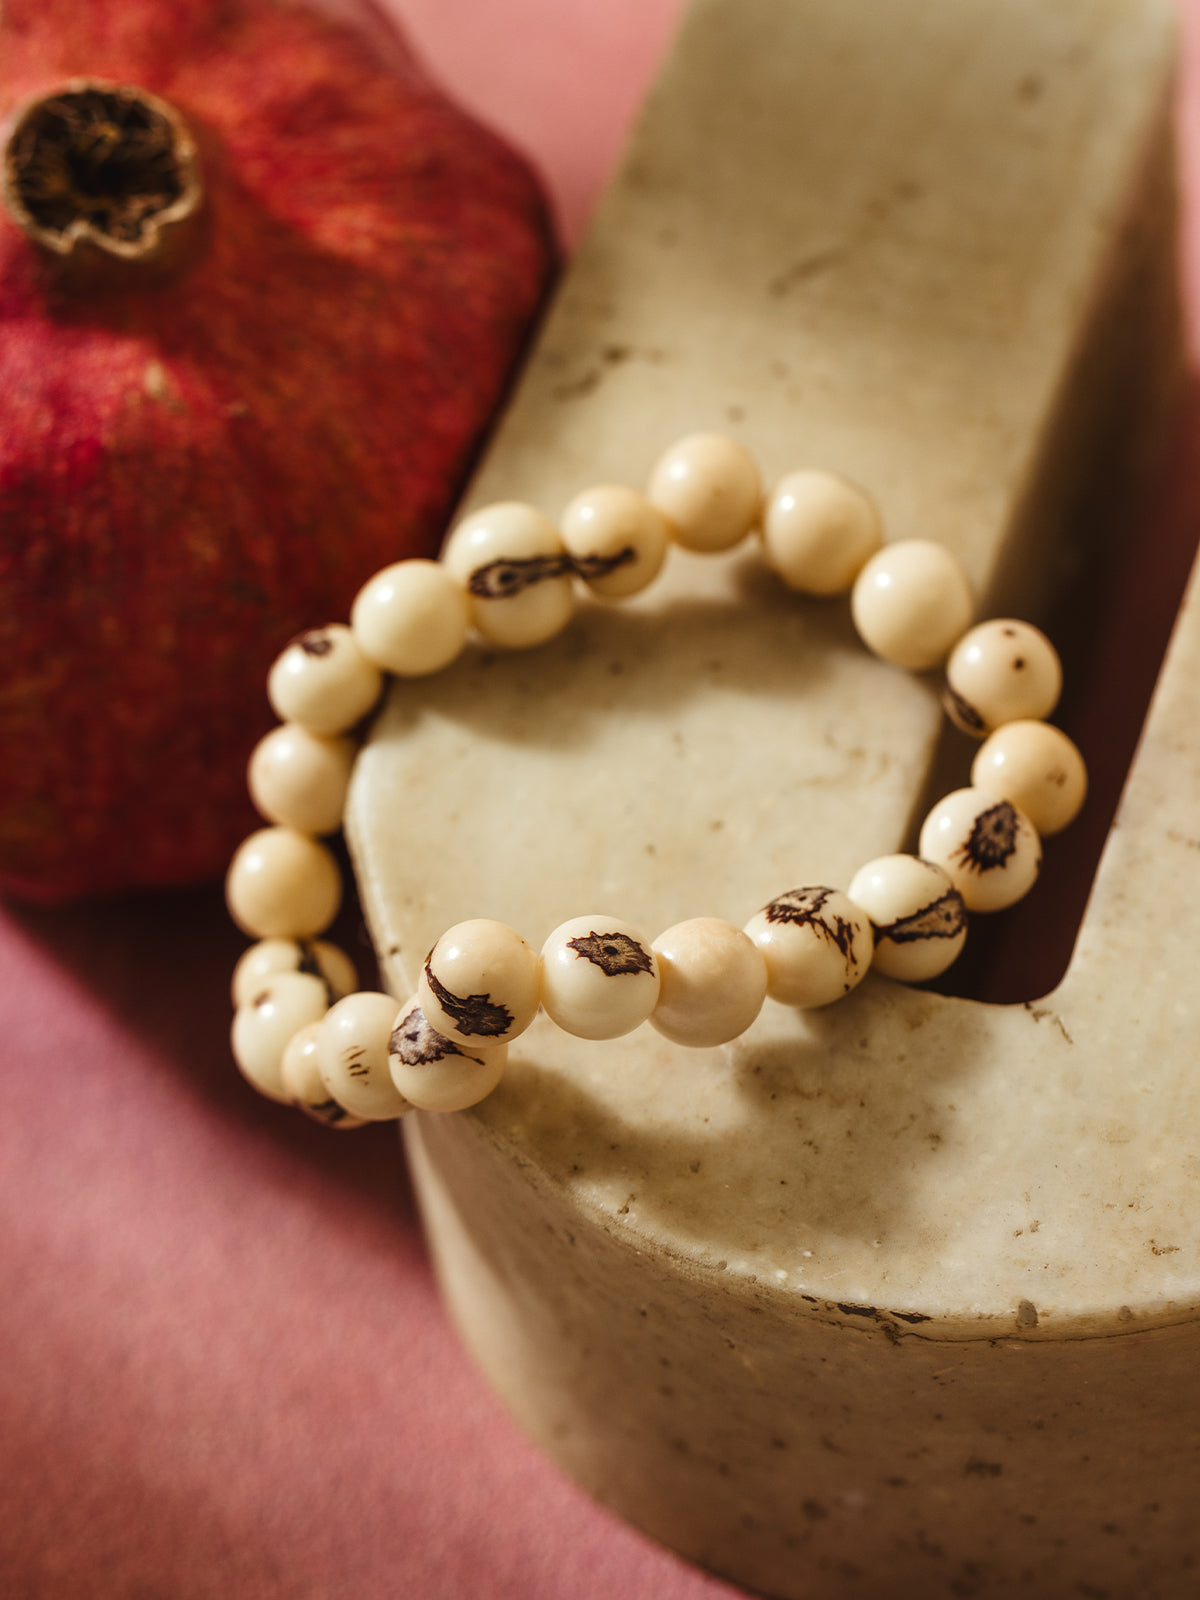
(899, 1298)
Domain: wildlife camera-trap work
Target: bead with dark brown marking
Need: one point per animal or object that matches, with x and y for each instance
(1001, 671)
(304, 1086)
(817, 945)
(918, 916)
(434, 1073)
(515, 571)
(352, 1056)
(479, 984)
(989, 848)
(599, 977)
(323, 681)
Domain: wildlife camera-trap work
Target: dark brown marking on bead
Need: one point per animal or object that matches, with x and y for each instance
(355, 1065)
(418, 1043)
(943, 918)
(261, 998)
(472, 1013)
(308, 959)
(616, 954)
(325, 1111)
(590, 567)
(316, 642)
(806, 908)
(961, 712)
(1019, 664)
(992, 840)
(310, 963)
(504, 578)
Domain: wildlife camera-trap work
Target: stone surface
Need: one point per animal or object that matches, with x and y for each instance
(903, 1291)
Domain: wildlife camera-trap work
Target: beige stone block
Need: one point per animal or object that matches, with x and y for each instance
(901, 1297)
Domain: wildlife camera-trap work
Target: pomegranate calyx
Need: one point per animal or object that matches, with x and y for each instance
(105, 165)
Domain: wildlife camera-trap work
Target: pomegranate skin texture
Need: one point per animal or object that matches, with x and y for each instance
(208, 445)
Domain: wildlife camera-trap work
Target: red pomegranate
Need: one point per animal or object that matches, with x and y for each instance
(261, 287)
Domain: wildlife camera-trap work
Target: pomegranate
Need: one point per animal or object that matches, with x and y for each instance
(261, 287)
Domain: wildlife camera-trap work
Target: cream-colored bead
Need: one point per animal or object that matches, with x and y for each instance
(988, 846)
(911, 602)
(616, 539)
(411, 618)
(514, 568)
(283, 885)
(479, 984)
(352, 1056)
(1036, 767)
(816, 944)
(599, 977)
(304, 1085)
(918, 916)
(819, 531)
(315, 956)
(708, 488)
(323, 681)
(434, 1073)
(299, 779)
(998, 672)
(262, 1027)
(711, 983)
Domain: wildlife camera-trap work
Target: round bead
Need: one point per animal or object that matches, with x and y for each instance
(819, 531)
(599, 977)
(352, 1056)
(709, 490)
(411, 618)
(263, 1027)
(816, 943)
(711, 983)
(989, 848)
(434, 1073)
(317, 957)
(1036, 767)
(282, 885)
(918, 916)
(304, 1086)
(479, 984)
(616, 539)
(323, 681)
(299, 779)
(514, 568)
(999, 672)
(911, 602)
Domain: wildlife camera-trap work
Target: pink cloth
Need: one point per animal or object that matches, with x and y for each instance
(224, 1368)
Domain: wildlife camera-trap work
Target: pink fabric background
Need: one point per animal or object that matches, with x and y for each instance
(223, 1367)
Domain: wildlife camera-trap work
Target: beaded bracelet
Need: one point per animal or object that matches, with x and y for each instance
(301, 1032)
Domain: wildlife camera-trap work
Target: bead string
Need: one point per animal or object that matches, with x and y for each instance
(304, 1034)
